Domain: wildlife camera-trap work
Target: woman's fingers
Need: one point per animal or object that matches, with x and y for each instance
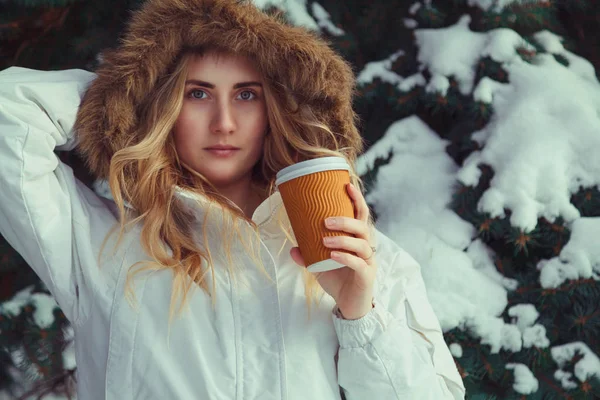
(360, 204)
(348, 225)
(349, 244)
(358, 227)
(351, 261)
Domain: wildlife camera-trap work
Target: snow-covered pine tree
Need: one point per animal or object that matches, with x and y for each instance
(484, 122)
(481, 118)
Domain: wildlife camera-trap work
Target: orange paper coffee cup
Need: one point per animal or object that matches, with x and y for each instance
(312, 191)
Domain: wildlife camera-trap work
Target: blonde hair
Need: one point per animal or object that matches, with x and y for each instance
(295, 134)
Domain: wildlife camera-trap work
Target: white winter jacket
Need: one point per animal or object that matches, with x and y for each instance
(257, 344)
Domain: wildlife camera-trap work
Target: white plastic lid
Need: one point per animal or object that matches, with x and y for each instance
(325, 265)
(310, 167)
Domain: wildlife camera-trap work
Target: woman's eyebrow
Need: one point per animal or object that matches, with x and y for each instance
(212, 86)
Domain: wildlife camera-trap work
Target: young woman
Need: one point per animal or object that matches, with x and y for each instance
(186, 284)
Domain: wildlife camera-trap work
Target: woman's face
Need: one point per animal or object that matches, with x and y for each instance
(223, 105)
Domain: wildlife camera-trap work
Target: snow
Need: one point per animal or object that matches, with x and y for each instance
(324, 20)
(409, 82)
(383, 70)
(579, 258)
(19, 359)
(483, 4)
(19, 300)
(420, 178)
(68, 354)
(498, 6)
(496, 333)
(485, 89)
(535, 336)
(524, 315)
(537, 177)
(482, 257)
(552, 43)
(414, 8)
(443, 51)
(438, 84)
(558, 119)
(456, 350)
(43, 316)
(565, 378)
(15, 375)
(296, 11)
(525, 382)
(541, 144)
(410, 23)
(471, 293)
(586, 367)
(380, 69)
(43, 304)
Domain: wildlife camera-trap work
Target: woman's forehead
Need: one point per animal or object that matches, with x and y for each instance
(222, 66)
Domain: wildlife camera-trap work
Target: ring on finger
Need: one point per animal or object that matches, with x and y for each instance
(373, 251)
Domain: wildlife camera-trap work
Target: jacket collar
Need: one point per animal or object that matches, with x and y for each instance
(198, 204)
(262, 215)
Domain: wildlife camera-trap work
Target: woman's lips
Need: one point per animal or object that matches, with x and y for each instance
(222, 152)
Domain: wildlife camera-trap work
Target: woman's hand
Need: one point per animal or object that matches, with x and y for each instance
(351, 286)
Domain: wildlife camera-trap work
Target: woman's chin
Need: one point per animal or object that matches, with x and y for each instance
(222, 180)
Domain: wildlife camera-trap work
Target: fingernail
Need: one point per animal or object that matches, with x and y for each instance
(330, 221)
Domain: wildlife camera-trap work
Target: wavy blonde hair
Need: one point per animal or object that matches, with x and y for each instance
(294, 134)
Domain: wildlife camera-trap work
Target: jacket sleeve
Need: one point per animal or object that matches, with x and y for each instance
(54, 221)
(397, 350)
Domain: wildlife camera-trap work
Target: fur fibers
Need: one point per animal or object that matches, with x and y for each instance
(161, 29)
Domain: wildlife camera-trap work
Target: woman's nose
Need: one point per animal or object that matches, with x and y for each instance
(224, 119)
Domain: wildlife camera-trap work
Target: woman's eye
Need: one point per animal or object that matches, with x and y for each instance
(246, 93)
(196, 91)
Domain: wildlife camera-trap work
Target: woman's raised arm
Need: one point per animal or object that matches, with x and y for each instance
(54, 221)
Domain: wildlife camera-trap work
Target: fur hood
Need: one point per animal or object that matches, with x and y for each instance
(161, 29)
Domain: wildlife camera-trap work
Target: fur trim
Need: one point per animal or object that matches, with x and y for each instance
(158, 32)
